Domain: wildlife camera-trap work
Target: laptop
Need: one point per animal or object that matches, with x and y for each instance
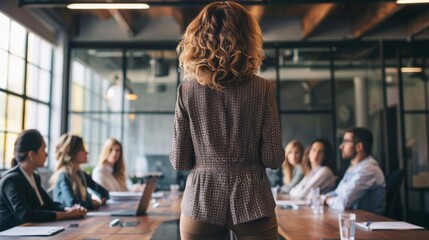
(142, 206)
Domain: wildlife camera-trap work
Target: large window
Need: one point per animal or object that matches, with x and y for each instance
(25, 85)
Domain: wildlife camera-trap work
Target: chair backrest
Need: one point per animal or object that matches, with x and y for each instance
(393, 185)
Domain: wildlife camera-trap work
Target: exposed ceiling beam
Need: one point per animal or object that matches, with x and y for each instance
(101, 13)
(257, 11)
(124, 19)
(418, 25)
(373, 17)
(190, 3)
(315, 16)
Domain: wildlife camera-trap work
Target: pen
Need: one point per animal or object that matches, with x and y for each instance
(368, 223)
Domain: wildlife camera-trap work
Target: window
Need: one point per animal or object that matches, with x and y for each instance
(25, 85)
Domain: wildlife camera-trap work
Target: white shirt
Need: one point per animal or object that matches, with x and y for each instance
(321, 177)
(33, 185)
(103, 175)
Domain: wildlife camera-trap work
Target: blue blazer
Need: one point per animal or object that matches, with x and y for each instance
(19, 203)
(63, 191)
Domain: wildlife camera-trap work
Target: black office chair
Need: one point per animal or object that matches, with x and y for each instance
(393, 185)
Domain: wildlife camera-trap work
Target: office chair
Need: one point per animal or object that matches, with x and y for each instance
(393, 185)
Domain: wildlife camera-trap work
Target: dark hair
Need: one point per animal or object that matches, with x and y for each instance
(28, 140)
(328, 158)
(364, 136)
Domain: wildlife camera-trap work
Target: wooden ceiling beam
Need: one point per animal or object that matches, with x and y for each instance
(124, 19)
(315, 16)
(418, 25)
(101, 13)
(373, 17)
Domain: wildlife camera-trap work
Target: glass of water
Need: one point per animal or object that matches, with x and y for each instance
(174, 191)
(346, 223)
(316, 201)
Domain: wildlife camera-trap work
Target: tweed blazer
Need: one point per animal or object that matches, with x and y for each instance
(227, 138)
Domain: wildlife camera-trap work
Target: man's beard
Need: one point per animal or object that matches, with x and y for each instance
(352, 155)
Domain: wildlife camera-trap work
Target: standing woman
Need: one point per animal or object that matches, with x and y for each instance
(69, 181)
(110, 170)
(227, 128)
(22, 198)
(318, 164)
(292, 169)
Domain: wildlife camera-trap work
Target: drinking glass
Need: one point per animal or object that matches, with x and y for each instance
(346, 223)
(316, 201)
(274, 191)
(174, 191)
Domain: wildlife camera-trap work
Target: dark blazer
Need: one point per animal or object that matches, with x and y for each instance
(63, 191)
(19, 203)
(227, 138)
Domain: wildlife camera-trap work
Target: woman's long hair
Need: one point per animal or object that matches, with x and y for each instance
(119, 167)
(27, 140)
(287, 167)
(222, 45)
(328, 157)
(67, 148)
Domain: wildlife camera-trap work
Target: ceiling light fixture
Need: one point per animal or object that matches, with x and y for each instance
(411, 69)
(108, 6)
(404, 70)
(411, 1)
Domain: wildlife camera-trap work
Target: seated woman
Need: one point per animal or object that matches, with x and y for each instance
(69, 181)
(291, 169)
(318, 168)
(22, 198)
(110, 171)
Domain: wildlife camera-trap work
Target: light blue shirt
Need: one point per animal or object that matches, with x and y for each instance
(362, 187)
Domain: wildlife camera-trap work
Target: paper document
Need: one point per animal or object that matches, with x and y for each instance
(292, 202)
(391, 225)
(32, 231)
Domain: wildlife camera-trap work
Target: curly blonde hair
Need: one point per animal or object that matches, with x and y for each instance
(222, 45)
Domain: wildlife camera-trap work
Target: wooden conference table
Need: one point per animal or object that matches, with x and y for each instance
(299, 224)
(97, 227)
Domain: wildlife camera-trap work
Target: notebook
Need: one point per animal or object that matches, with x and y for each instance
(141, 207)
(32, 231)
(391, 225)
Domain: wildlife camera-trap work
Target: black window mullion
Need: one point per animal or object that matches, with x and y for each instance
(333, 103)
(24, 111)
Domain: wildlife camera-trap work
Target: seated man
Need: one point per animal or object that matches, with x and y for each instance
(363, 184)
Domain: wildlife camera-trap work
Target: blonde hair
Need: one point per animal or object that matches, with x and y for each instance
(67, 148)
(119, 167)
(222, 45)
(287, 167)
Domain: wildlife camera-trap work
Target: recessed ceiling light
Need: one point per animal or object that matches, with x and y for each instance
(108, 6)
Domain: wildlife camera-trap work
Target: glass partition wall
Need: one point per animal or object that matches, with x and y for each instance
(322, 90)
(415, 140)
(137, 111)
